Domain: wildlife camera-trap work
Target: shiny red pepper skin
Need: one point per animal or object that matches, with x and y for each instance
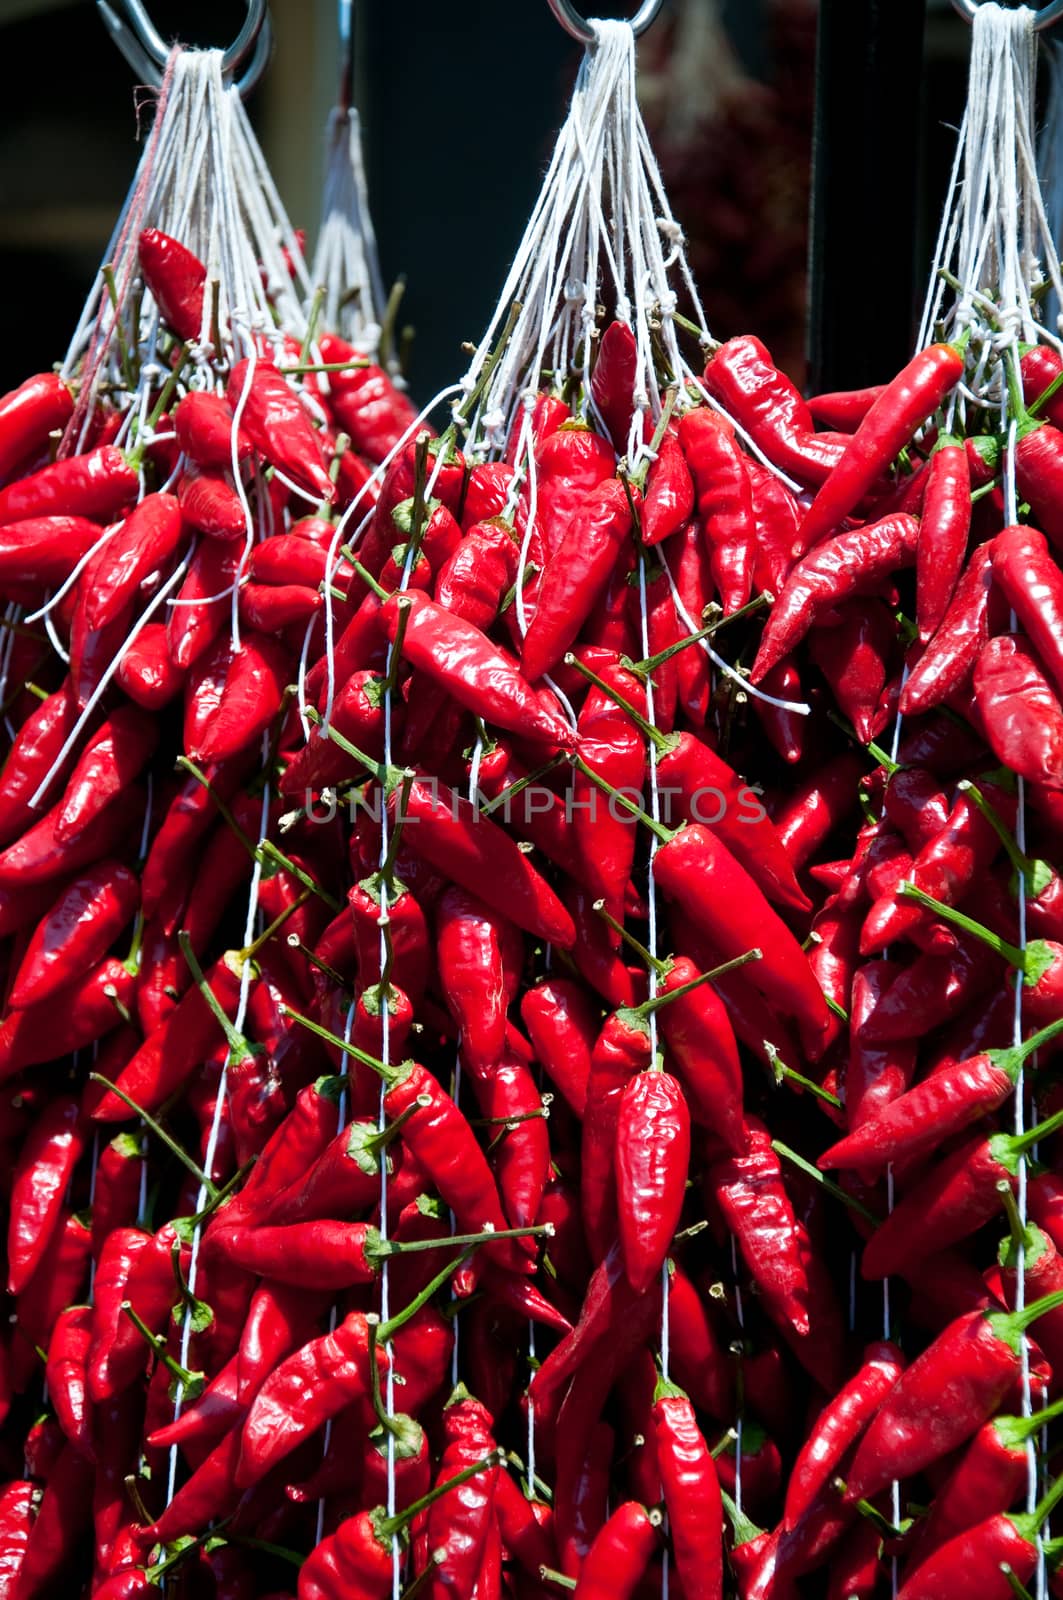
(44, 549)
(278, 425)
(203, 422)
(42, 1173)
(97, 485)
(17, 1502)
(563, 1024)
(724, 503)
(65, 1513)
(66, 1374)
(904, 403)
(116, 1193)
(736, 917)
(177, 280)
(91, 1008)
(115, 755)
(1019, 711)
(254, 685)
(701, 1046)
(576, 575)
(35, 747)
(987, 1556)
(471, 669)
(353, 1563)
(749, 1191)
(691, 1495)
(669, 498)
(854, 657)
(76, 933)
(838, 1426)
(621, 1050)
(146, 672)
(472, 946)
(619, 1556)
(613, 384)
(210, 503)
(652, 1158)
(56, 1284)
(743, 378)
(944, 527)
(29, 414)
(365, 401)
(203, 601)
(876, 1075)
(815, 808)
(141, 546)
(850, 564)
(459, 1521)
(843, 410)
(1031, 581)
(474, 852)
(950, 657)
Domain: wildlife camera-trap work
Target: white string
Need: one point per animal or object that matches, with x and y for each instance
(345, 260)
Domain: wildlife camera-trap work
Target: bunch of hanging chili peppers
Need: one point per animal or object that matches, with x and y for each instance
(465, 733)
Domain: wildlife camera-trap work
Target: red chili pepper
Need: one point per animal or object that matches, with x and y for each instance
(724, 502)
(177, 280)
(854, 657)
(42, 1173)
(17, 1503)
(613, 383)
(250, 698)
(876, 1075)
(66, 1374)
(576, 574)
(474, 946)
(29, 414)
(204, 423)
(146, 672)
(563, 1025)
(620, 1554)
(139, 547)
(474, 852)
(701, 1045)
(944, 528)
(365, 401)
(904, 403)
(838, 1426)
(209, 502)
(736, 917)
(534, 812)
(652, 1157)
(691, 1494)
(693, 582)
(850, 564)
(65, 1513)
(1022, 717)
(92, 1006)
(669, 498)
(278, 425)
(949, 659)
(97, 485)
(56, 1284)
(743, 378)
(32, 753)
(203, 602)
(749, 1190)
(76, 932)
(845, 409)
(116, 1192)
(115, 755)
(818, 806)
(44, 549)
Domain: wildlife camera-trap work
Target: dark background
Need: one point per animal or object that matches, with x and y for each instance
(460, 103)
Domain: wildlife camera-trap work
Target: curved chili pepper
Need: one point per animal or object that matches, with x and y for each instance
(620, 1554)
(203, 601)
(743, 378)
(904, 403)
(76, 932)
(669, 498)
(472, 669)
(932, 990)
(204, 423)
(847, 565)
(29, 414)
(474, 852)
(55, 1285)
(691, 1494)
(944, 527)
(749, 1191)
(534, 812)
(97, 485)
(876, 1075)
(44, 549)
(815, 808)
(278, 425)
(838, 1426)
(724, 503)
(66, 1374)
(575, 575)
(652, 1157)
(621, 1050)
(853, 658)
(951, 655)
(177, 280)
(734, 914)
(701, 1043)
(251, 697)
(92, 1006)
(974, 1361)
(65, 1513)
(146, 672)
(344, 1178)
(563, 1026)
(33, 751)
(142, 544)
(843, 410)
(210, 503)
(1022, 717)
(115, 755)
(937, 1107)
(613, 383)
(42, 1173)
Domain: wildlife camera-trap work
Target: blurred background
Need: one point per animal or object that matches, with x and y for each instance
(460, 103)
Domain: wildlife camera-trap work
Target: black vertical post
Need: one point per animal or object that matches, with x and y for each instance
(865, 189)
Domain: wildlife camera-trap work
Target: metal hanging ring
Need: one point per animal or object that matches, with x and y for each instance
(147, 52)
(1045, 18)
(570, 19)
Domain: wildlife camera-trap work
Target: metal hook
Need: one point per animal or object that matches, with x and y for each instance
(1051, 13)
(146, 51)
(573, 23)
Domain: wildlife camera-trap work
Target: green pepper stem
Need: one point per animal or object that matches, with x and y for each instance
(238, 1045)
(387, 1330)
(377, 1066)
(463, 412)
(662, 742)
(1020, 862)
(193, 1383)
(1044, 1509)
(376, 768)
(386, 872)
(1019, 1321)
(1038, 404)
(780, 1071)
(662, 968)
(159, 1132)
(551, 1575)
(1016, 1430)
(249, 951)
(1020, 1142)
(1015, 1223)
(744, 1530)
(1010, 952)
(664, 835)
(826, 1184)
(655, 1004)
(365, 575)
(408, 1247)
(405, 606)
(515, 788)
(649, 664)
